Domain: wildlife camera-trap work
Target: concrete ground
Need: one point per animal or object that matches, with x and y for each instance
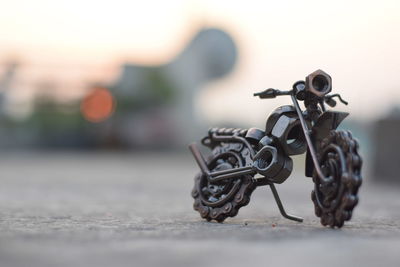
(115, 209)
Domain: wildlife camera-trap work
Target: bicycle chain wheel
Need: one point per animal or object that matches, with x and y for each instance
(220, 200)
(336, 196)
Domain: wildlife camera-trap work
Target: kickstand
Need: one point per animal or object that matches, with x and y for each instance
(280, 206)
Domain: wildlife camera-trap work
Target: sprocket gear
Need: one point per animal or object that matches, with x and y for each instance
(335, 196)
(220, 200)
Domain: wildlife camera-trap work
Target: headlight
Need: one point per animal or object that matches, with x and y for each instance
(319, 83)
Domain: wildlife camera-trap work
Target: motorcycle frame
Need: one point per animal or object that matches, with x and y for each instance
(327, 121)
(322, 125)
(316, 123)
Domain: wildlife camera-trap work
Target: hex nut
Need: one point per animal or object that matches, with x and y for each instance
(319, 83)
(273, 164)
(288, 133)
(288, 110)
(254, 135)
(285, 172)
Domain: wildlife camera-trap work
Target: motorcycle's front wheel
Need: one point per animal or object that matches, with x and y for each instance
(335, 196)
(220, 200)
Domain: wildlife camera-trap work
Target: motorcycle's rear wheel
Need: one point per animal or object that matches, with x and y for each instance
(223, 199)
(335, 196)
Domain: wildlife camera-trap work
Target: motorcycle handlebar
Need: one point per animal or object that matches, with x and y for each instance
(271, 93)
(331, 102)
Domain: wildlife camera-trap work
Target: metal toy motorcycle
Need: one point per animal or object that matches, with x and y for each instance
(243, 159)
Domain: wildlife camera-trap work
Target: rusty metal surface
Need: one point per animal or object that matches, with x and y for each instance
(335, 198)
(218, 201)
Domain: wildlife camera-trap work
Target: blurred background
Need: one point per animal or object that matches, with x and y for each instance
(131, 75)
(99, 99)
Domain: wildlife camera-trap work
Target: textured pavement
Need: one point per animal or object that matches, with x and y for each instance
(116, 209)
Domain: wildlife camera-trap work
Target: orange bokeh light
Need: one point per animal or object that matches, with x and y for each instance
(98, 105)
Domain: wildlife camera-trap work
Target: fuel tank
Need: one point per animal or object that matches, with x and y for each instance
(284, 126)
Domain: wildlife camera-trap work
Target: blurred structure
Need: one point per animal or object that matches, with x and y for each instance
(156, 105)
(6, 80)
(386, 140)
(147, 106)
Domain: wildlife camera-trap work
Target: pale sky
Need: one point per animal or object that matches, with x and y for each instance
(357, 42)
